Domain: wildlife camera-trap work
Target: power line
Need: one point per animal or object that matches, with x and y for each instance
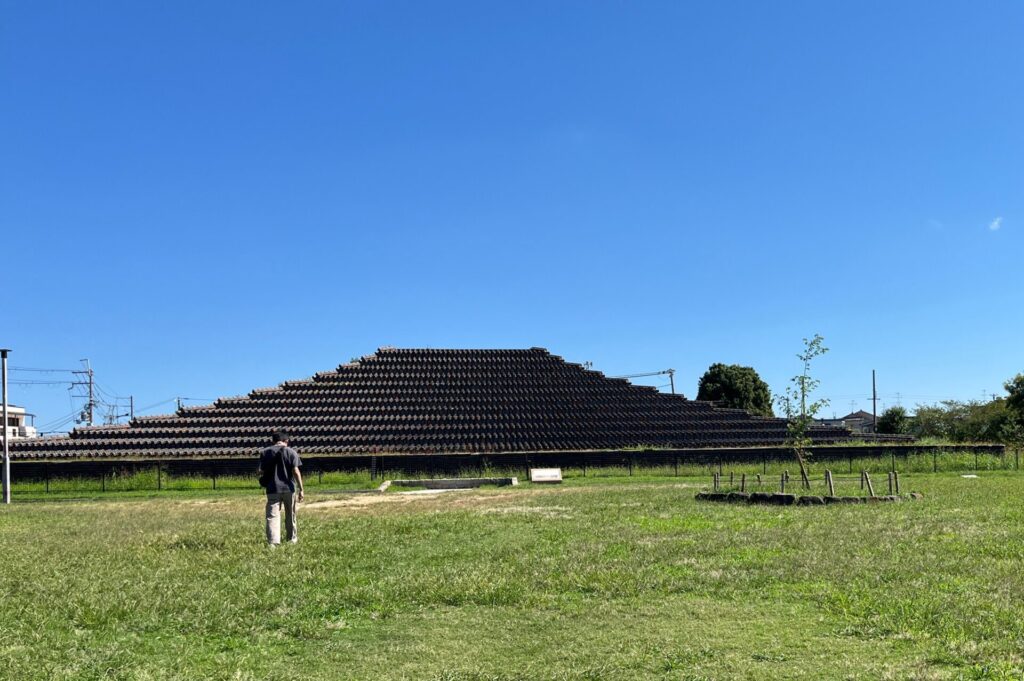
(51, 371)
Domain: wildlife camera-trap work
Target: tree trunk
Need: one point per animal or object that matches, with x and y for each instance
(805, 480)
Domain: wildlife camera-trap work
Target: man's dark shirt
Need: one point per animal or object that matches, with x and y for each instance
(280, 460)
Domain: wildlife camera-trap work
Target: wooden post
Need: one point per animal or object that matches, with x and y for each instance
(731, 481)
(862, 474)
(743, 482)
(782, 483)
(804, 479)
(890, 483)
(871, 488)
(714, 481)
(896, 480)
(831, 486)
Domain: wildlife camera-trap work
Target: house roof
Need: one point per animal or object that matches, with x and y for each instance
(433, 401)
(861, 414)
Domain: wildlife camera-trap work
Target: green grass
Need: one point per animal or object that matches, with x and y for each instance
(600, 578)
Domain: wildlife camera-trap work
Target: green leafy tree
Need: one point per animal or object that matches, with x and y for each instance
(894, 421)
(1015, 399)
(797, 406)
(736, 386)
(1013, 428)
(963, 421)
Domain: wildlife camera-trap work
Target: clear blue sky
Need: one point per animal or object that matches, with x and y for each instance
(207, 197)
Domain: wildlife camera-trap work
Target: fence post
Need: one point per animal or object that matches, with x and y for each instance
(896, 480)
(890, 483)
(831, 485)
(782, 483)
(867, 479)
(743, 482)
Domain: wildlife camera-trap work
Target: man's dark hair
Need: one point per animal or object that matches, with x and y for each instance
(279, 436)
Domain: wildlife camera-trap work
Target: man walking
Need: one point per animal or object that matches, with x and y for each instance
(279, 473)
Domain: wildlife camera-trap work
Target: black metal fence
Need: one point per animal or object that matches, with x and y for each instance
(96, 475)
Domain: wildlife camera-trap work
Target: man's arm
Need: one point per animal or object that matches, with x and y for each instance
(298, 480)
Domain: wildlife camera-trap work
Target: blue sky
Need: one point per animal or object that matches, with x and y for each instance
(204, 198)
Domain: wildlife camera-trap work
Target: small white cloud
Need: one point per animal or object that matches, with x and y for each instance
(996, 224)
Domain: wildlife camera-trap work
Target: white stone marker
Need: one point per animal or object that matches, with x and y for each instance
(553, 475)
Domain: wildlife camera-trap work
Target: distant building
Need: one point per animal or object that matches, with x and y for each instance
(20, 424)
(858, 421)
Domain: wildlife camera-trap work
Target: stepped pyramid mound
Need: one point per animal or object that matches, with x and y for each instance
(433, 401)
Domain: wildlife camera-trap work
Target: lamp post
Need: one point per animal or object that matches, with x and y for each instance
(7, 432)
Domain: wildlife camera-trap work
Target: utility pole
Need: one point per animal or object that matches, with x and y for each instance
(670, 372)
(131, 407)
(90, 406)
(874, 404)
(7, 432)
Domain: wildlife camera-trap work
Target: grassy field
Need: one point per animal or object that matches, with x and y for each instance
(601, 578)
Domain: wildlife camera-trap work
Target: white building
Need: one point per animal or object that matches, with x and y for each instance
(20, 424)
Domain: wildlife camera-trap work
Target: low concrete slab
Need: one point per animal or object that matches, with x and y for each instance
(453, 483)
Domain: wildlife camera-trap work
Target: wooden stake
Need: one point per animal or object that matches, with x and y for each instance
(743, 482)
(896, 478)
(831, 486)
(871, 488)
(890, 483)
(782, 483)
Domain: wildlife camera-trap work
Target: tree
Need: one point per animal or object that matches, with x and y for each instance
(894, 421)
(798, 410)
(1013, 428)
(1015, 400)
(736, 386)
